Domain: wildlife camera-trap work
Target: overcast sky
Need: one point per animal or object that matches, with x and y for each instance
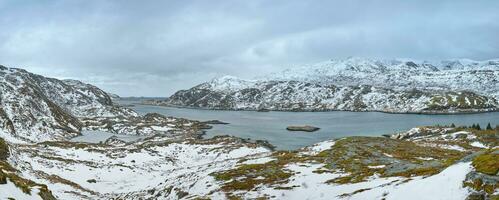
(153, 48)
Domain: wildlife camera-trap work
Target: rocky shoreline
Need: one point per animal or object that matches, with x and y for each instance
(429, 112)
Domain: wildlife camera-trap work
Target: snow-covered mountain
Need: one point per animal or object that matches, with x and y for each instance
(402, 74)
(357, 85)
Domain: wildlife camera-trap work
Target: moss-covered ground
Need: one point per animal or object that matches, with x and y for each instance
(352, 155)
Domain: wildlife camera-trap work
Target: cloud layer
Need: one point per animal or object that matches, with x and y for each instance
(153, 48)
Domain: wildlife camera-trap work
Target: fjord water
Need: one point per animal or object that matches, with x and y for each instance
(271, 126)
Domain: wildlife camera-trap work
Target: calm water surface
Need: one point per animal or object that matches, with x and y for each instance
(271, 126)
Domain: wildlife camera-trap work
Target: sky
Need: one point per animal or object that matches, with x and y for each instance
(154, 48)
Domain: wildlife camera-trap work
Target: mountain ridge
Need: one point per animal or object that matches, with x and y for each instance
(355, 84)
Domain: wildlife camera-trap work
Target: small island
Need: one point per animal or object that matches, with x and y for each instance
(214, 122)
(305, 128)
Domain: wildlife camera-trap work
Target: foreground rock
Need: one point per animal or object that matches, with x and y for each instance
(305, 128)
(394, 86)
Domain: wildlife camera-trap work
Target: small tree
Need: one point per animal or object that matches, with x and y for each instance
(478, 127)
(489, 127)
(453, 125)
(473, 126)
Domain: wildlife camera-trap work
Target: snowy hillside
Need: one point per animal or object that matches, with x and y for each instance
(357, 85)
(432, 162)
(34, 108)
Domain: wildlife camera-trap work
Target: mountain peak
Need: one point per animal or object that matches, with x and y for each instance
(228, 82)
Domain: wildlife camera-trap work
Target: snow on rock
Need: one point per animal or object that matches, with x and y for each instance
(10, 191)
(318, 147)
(132, 171)
(444, 185)
(425, 158)
(161, 128)
(376, 166)
(459, 139)
(258, 160)
(478, 144)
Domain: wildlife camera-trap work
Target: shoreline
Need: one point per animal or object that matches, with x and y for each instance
(467, 112)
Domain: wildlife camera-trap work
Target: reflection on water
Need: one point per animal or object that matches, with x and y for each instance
(271, 126)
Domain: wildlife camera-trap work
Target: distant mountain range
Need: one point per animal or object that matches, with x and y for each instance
(356, 84)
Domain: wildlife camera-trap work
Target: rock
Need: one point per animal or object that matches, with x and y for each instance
(204, 126)
(114, 140)
(214, 122)
(305, 128)
(461, 136)
(92, 181)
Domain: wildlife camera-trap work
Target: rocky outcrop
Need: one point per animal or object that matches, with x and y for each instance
(305, 128)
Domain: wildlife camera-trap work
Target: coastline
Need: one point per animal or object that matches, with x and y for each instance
(433, 112)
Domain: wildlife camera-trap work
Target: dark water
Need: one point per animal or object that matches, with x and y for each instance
(271, 126)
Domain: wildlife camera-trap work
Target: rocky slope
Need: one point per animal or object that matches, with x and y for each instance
(36, 108)
(356, 85)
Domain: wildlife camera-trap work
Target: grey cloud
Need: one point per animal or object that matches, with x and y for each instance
(154, 48)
